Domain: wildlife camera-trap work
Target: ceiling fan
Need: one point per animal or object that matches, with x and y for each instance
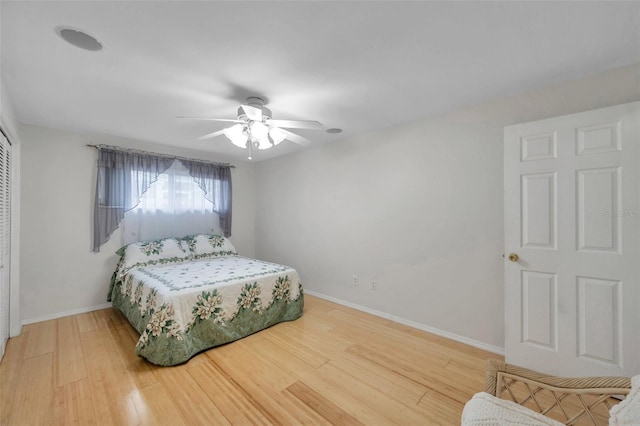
(255, 129)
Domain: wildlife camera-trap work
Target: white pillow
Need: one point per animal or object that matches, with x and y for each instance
(487, 410)
(627, 412)
(144, 253)
(204, 246)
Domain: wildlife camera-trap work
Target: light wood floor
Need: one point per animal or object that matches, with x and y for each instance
(335, 365)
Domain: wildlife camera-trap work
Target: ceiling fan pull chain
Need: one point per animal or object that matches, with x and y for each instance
(250, 146)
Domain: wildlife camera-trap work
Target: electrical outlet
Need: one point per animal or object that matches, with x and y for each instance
(374, 285)
(355, 280)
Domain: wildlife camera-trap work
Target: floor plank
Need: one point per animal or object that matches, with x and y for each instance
(266, 382)
(331, 412)
(69, 359)
(33, 401)
(111, 385)
(74, 404)
(335, 365)
(42, 338)
(155, 406)
(10, 369)
(193, 403)
(234, 403)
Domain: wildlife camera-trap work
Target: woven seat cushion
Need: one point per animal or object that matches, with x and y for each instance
(487, 410)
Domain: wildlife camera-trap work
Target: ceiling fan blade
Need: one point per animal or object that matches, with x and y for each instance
(226, 120)
(253, 113)
(297, 124)
(211, 135)
(296, 138)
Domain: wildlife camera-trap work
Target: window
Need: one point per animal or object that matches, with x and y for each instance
(124, 176)
(174, 205)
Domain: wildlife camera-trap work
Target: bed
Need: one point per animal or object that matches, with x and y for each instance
(187, 295)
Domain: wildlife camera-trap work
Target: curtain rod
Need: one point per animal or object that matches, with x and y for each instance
(177, 157)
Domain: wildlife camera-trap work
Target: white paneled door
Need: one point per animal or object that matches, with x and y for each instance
(572, 236)
(5, 239)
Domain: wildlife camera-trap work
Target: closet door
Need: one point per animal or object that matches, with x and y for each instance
(5, 239)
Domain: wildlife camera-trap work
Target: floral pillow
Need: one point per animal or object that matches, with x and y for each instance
(144, 253)
(204, 246)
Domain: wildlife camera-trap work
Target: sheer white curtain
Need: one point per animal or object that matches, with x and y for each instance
(173, 206)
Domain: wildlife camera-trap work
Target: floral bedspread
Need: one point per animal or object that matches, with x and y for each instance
(184, 308)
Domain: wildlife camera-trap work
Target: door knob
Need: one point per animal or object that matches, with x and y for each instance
(513, 257)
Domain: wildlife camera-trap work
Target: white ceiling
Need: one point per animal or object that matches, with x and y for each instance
(358, 66)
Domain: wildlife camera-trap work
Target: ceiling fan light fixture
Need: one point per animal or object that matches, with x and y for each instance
(237, 135)
(264, 143)
(276, 135)
(258, 130)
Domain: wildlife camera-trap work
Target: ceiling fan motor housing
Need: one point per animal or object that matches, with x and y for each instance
(258, 103)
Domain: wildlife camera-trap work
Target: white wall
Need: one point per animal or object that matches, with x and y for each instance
(59, 272)
(418, 208)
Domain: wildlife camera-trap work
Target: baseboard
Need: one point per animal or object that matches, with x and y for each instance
(66, 313)
(462, 339)
(467, 341)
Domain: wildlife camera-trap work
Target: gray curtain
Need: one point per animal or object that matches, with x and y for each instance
(123, 177)
(215, 181)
